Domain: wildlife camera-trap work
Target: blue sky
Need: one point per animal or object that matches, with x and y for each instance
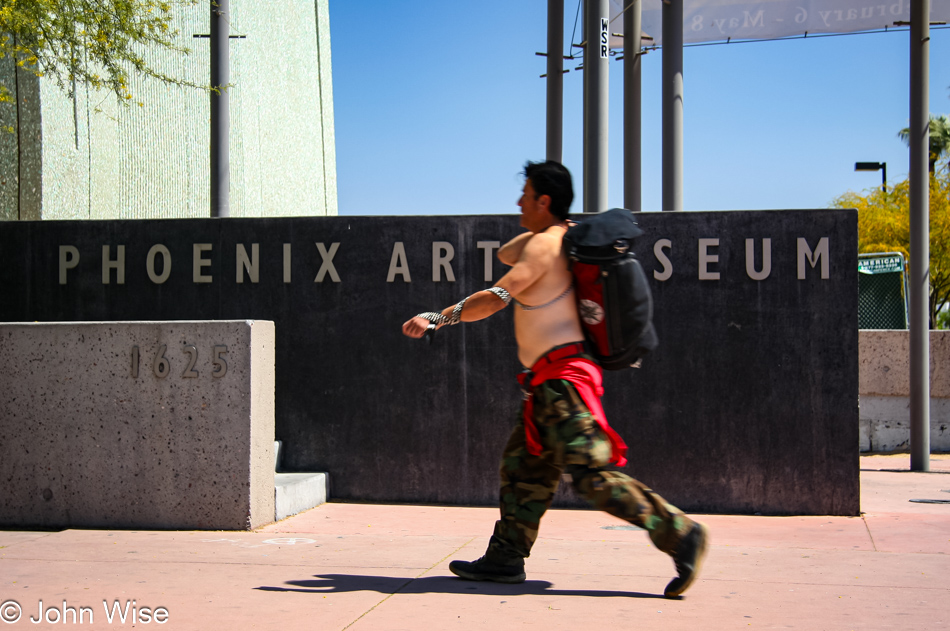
(438, 104)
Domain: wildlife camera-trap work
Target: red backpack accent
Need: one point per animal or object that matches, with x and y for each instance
(613, 296)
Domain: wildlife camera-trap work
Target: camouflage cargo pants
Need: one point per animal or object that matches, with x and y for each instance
(572, 443)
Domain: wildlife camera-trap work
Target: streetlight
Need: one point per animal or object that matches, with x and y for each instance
(874, 166)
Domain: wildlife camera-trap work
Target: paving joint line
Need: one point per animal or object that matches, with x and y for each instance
(868, 528)
(305, 563)
(400, 588)
(29, 540)
(719, 579)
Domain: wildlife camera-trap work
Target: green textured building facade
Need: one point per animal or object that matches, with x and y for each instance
(66, 160)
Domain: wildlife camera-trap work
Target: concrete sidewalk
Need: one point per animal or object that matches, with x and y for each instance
(383, 567)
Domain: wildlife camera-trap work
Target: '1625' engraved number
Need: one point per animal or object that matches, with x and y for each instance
(161, 366)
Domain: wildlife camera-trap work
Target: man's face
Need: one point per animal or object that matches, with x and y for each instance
(534, 209)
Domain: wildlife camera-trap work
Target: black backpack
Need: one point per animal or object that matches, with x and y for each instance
(613, 296)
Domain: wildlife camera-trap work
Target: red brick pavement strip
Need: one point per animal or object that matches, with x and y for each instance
(377, 567)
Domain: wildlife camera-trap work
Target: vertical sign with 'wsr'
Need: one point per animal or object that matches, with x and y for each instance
(603, 38)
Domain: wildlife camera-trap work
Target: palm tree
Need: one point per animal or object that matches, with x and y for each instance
(939, 138)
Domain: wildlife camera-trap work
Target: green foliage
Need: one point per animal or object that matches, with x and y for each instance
(94, 42)
(943, 319)
(939, 138)
(884, 226)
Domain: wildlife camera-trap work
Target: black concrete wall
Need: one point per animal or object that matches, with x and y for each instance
(750, 404)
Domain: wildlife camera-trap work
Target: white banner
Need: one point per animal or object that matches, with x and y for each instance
(721, 20)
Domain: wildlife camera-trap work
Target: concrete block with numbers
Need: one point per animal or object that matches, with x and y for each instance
(137, 424)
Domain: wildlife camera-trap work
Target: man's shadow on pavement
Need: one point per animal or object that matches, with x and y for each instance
(336, 583)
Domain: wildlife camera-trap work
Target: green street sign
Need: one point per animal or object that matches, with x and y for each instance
(881, 265)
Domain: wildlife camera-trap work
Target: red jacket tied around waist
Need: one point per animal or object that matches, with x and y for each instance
(587, 379)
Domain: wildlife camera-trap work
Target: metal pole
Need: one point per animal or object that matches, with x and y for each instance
(673, 105)
(596, 58)
(220, 114)
(632, 109)
(555, 80)
(919, 236)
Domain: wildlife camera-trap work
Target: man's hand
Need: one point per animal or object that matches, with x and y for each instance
(415, 327)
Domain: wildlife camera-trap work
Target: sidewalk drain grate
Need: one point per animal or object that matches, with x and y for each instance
(931, 501)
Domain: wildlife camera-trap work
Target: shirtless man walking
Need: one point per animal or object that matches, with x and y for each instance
(562, 427)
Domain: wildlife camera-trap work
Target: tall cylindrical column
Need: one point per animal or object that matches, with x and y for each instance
(919, 235)
(596, 59)
(632, 110)
(672, 92)
(555, 80)
(220, 112)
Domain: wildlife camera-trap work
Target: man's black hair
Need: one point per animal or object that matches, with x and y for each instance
(554, 180)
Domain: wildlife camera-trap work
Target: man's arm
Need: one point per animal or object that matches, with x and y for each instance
(478, 306)
(511, 251)
(537, 256)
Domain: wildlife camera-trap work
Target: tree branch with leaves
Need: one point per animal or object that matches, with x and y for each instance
(939, 138)
(99, 43)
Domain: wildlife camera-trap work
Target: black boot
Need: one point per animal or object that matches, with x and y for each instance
(688, 559)
(486, 570)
